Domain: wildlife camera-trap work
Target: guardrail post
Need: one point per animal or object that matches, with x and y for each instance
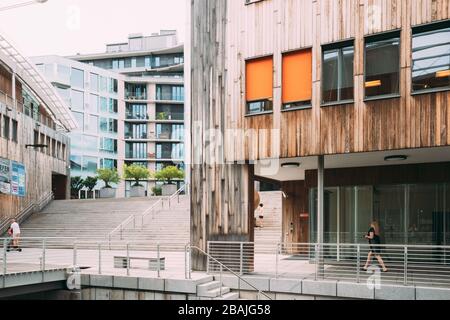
(241, 258)
(74, 254)
(207, 257)
(158, 260)
(190, 261)
(276, 259)
(220, 288)
(99, 258)
(358, 263)
(316, 254)
(43, 260)
(405, 274)
(185, 262)
(5, 268)
(128, 259)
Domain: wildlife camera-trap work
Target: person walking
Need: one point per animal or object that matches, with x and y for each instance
(260, 214)
(374, 249)
(15, 235)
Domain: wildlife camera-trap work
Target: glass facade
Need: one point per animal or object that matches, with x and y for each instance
(77, 100)
(94, 82)
(169, 93)
(136, 111)
(77, 78)
(136, 150)
(168, 151)
(415, 214)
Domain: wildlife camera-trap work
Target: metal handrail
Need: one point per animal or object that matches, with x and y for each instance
(29, 209)
(145, 214)
(229, 270)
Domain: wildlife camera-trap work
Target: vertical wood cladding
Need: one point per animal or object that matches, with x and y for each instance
(272, 27)
(295, 211)
(220, 206)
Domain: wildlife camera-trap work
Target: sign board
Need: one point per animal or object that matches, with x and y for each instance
(5, 176)
(18, 179)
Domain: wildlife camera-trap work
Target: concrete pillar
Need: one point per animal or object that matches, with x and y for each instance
(320, 214)
(320, 198)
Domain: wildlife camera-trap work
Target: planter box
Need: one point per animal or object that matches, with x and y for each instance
(169, 190)
(108, 193)
(137, 192)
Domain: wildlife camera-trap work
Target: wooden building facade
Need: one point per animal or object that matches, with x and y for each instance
(33, 127)
(280, 114)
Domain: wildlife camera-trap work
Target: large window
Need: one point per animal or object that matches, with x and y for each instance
(79, 117)
(135, 131)
(297, 79)
(431, 57)
(63, 73)
(6, 129)
(113, 85)
(169, 93)
(103, 104)
(337, 73)
(77, 100)
(94, 82)
(90, 144)
(113, 106)
(90, 165)
(169, 112)
(382, 65)
(93, 124)
(108, 125)
(94, 103)
(77, 78)
(108, 145)
(136, 111)
(136, 150)
(259, 85)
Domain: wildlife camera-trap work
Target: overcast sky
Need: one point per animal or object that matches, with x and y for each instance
(67, 27)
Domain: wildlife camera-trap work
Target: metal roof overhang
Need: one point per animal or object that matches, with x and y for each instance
(27, 71)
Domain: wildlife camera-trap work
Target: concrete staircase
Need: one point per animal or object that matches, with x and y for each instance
(90, 219)
(164, 225)
(272, 230)
(214, 290)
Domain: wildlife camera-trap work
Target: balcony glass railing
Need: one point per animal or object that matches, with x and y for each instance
(170, 97)
(163, 116)
(135, 96)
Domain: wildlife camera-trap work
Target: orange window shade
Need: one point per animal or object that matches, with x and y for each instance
(297, 76)
(259, 79)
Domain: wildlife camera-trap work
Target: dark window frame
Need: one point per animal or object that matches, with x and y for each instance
(391, 34)
(340, 45)
(420, 29)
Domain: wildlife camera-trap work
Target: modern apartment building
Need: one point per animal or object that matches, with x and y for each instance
(133, 110)
(342, 105)
(34, 145)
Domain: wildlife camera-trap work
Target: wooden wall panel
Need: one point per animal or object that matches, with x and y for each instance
(272, 27)
(39, 166)
(220, 193)
(294, 228)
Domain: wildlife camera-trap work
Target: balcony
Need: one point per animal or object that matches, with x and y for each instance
(138, 96)
(169, 116)
(170, 97)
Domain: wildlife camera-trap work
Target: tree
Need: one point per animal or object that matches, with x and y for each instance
(136, 173)
(90, 183)
(108, 176)
(168, 174)
(76, 184)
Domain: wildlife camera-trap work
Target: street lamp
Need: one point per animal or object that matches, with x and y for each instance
(23, 4)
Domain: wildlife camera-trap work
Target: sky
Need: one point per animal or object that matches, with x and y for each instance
(68, 27)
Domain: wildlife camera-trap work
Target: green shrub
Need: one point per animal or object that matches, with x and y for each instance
(136, 173)
(168, 174)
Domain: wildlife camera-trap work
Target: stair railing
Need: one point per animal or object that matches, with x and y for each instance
(133, 219)
(30, 208)
(222, 267)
